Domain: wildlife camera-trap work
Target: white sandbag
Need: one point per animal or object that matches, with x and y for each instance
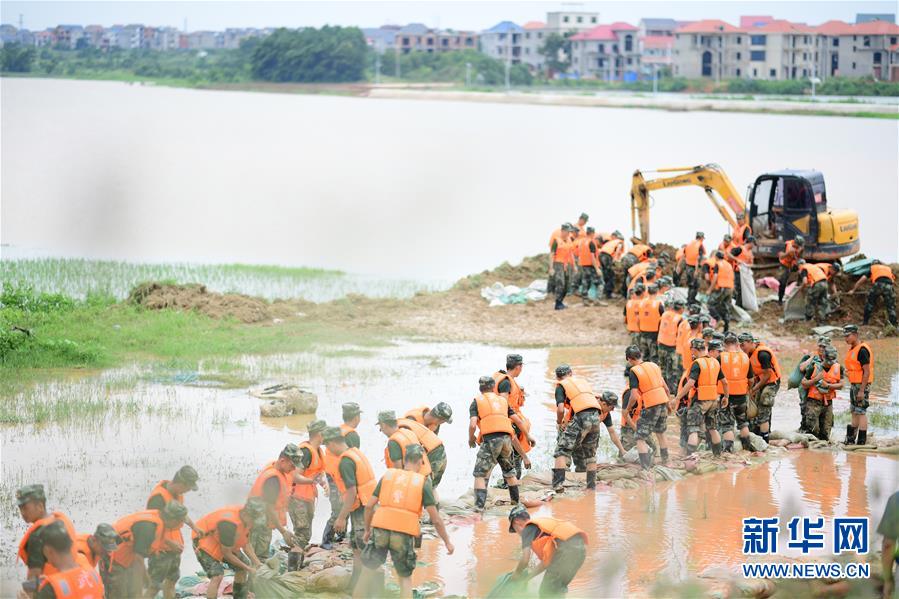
(794, 304)
(747, 290)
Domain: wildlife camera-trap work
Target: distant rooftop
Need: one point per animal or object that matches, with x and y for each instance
(865, 17)
(505, 27)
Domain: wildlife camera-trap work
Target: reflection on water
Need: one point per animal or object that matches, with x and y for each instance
(104, 467)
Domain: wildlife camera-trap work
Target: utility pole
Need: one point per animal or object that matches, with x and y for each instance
(508, 58)
(467, 74)
(21, 21)
(396, 57)
(655, 78)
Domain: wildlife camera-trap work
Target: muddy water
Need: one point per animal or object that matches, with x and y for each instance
(154, 174)
(100, 469)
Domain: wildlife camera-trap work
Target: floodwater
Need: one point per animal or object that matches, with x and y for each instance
(396, 188)
(99, 469)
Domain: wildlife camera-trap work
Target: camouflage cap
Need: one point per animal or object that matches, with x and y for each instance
(174, 510)
(664, 256)
(567, 227)
(255, 509)
(617, 234)
(666, 280)
(350, 410)
(705, 318)
(292, 452)
(332, 433)
(608, 397)
(700, 235)
(387, 416)
(693, 319)
(187, 476)
(653, 288)
(824, 341)
(513, 360)
(730, 338)
(107, 536)
(697, 343)
(715, 345)
(590, 230)
(562, 370)
(718, 336)
(518, 511)
(850, 329)
(694, 309)
(745, 337)
(30, 493)
(799, 239)
(316, 426)
(443, 411)
(639, 288)
(707, 331)
(414, 451)
(584, 217)
(679, 303)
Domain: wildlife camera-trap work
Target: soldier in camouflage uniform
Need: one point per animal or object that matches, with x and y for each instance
(720, 297)
(653, 419)
(561, 273)
(301, 505)
(667, 354)
(763, 393)
(818, 415)
(702, 414)
(859, 359)
(806, 368)
(581, 431)
(882, 287)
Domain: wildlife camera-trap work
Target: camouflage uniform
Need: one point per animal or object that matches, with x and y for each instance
(437, 458)
(858, 401)
(211, 566)
(301, 515)
(882, 288)
(124, 582)
(608, 275)
(335, 500)
(493, 451)
(667, 360)
(652, 420)
(401, 547)
(719, 305)
(261, 540)
(582, 432)
(817, 418)
(163, 566)
(590, 277)
(692, 283)
(649, 346)
(733, 414)
(816, 302)
(765, 403)
(560, 280)
(357, 530)
(702, 413)
(628, 437)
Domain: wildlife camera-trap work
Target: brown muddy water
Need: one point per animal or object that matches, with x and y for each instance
(102, 467)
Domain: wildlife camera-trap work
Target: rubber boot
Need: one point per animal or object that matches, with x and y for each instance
(765, 436)
(513, 494)
(862, 437)
(728, 446)
(591, 479)
(664, 455)
(645, 461)
(327, 537)
(239, 590)
(480, 499)
(691, 449)
(716, 449)
(867, 316)
(559, 480)
(850, 435)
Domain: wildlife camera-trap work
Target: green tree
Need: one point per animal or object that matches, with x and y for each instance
(556, 50)
(329, 54)
(16, 58)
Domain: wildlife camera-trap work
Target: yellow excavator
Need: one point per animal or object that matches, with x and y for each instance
(782, 205)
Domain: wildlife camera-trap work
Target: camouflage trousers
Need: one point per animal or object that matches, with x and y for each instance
(652, 420)
(667, 360)
(164, 566)
(883, 288)
(589, 278)
(693, 276)
(125, 583)
(335, 500)
(561, 279)
(702, 415)
(261, 540)
(816, 303)
(301, 515)
(635, 339)
(817, 418)
(493, 451)
(581, 433)
(765, 402)
(608, 274)
(437, 457)
(719, 305)
(733, 414)
(858, 401)
(401, 547)
(649, 345)
(629, 438)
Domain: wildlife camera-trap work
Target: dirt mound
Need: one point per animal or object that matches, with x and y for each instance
(160, 296)
(522, 274)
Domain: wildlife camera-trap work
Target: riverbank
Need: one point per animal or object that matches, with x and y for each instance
(449, 92)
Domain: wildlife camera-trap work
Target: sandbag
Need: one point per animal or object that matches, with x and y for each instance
(747, 290)
(794, 305)
(796, 377)
(506, 586)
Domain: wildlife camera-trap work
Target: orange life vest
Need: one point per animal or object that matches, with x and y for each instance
(812, 273)
(791, 254)
(426, 437)
(493, 414)
(827, 268)
(585, 256)
(210, 542)
(564, 251)
(757, 366)
(725, 278)
(283, 493)
(405, 437)
(854, 367)
(679, 254)
(332, 462)
(632, 314)
(124, 554)
(551, 532)
(832, 376)
(614, 248)
(683, 329)
(83, 548)
(649, 314)
(686, 356)
(744, 257)
(692, 251)
(173, 535)
(556, 236)
(76, 583)
(365, 477)
(400, 502)
(741, 233)
(516, 397)
(48, 519)
(579, 394)
(879, 271)
(735, 366)
(707, 385)
(640, 251)
(316, 467)
(668, 326)
(651, 384)
(638, 269)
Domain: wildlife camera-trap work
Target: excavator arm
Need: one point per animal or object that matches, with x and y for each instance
(710, 177)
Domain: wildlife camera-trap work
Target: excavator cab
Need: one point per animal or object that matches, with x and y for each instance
(787, 203)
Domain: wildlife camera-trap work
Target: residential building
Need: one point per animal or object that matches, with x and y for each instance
(656, 38)
(567, 20)
(657, 27)
(8, 35)
(609, 52)
(67, 36)
(382, 38)
(754, 21)
(868, 17)
(416, 37)
(204, 40)
(503, 42)
(710, 48)
(534, 36)
(865, 49)
(450, 40)
(94, 36)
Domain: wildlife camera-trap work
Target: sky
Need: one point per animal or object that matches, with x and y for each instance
(218, 15)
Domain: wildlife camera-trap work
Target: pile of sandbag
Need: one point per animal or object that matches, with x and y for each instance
(501, 295)
(285, 400)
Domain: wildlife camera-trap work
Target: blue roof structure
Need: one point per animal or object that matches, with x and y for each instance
(505, 27)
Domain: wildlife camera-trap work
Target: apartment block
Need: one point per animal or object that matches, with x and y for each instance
(609, 52)
(417, 37)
